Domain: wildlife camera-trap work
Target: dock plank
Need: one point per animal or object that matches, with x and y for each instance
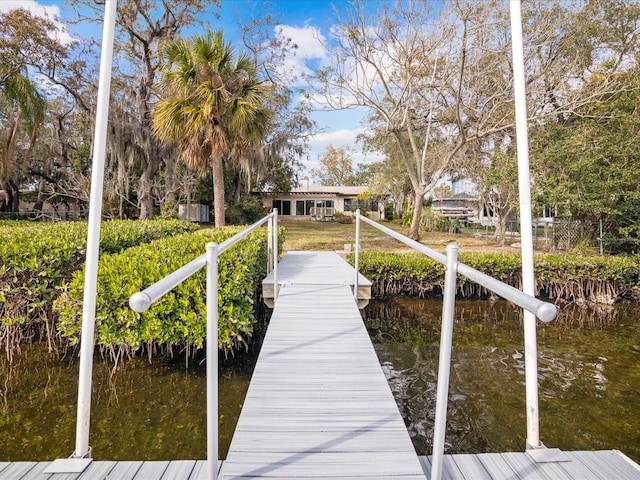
(607, 464)
(317, 268)
(125, 470)
(602, 465)
(17, 470)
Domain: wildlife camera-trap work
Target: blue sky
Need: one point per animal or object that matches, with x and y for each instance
(302, 20)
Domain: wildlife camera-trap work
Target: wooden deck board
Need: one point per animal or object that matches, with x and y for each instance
(602, 465)
(317, 268)
(318, 404)
(18, 470)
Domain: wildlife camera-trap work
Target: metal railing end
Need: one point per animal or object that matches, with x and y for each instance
(547, 312)
(139, 302)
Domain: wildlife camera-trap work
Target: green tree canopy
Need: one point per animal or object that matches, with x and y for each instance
(589, 167)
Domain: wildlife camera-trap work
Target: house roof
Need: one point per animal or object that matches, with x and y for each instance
(324, 190)
(459, 196)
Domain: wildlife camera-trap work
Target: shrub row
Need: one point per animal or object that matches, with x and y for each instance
(37, 258)
(178, 319)
(558, 276)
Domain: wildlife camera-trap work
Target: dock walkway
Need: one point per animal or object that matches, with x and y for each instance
(319, 405)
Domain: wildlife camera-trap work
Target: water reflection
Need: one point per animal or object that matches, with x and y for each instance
(588, 369)
(145, 411)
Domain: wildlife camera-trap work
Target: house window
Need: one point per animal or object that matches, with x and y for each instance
(305, 207)
(283, 206)
(548, 211)
(308, 205)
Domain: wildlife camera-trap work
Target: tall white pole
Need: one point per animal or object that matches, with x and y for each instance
(212, 361)
(93, 236)
(444, 361)
(524, 186)
(357, 256)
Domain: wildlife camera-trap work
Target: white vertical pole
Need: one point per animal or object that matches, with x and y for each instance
(270, 244)
(444, 361)
(275, 254)
(82, 448)
(212, 361)
(524, 185)
(357, 255)
(601, 240)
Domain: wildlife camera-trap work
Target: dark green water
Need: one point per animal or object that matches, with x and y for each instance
(589, 366)
(145, 411)
(589, 371)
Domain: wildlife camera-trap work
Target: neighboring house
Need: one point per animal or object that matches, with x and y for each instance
(465, 204)
(63, 209)
(319, 203)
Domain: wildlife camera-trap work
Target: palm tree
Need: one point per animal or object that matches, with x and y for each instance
(21, 107)
(211, 107)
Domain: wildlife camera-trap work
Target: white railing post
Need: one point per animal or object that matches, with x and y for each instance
(357, 256)
(85, 374)
(212, 361)
(269, 245)
(275, 254)
(444, 362)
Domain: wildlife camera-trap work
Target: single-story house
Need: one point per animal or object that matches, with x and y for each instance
(320, 203)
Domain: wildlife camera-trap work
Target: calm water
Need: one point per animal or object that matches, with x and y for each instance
(589, 370)
(589, 388)
(145, 411)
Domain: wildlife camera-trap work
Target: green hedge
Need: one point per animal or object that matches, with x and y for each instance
(600, 279)
(36, 259)
(178, 319)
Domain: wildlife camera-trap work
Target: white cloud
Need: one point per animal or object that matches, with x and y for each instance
(51, 12)
(310, 51)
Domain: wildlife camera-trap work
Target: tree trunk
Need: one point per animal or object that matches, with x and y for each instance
(218, 191)
(145, 199)
(170, 179)
(398, 203)
(12, 197)
(501, 231)
(414, 231)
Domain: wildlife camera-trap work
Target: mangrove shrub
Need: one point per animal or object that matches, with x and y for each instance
(179, 318)
(597, 279)
(38, 258)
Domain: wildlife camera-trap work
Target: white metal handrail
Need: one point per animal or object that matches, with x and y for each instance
(543, 310)
(141, 301)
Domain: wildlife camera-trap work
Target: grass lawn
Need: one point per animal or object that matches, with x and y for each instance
(307, 234)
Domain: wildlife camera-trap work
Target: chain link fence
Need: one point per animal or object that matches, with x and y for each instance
(559, 234)
(568, 235)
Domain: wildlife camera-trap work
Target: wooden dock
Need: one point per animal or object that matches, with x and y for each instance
(318, 404)
(320, 268)
(319, 407)
(601, 465)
